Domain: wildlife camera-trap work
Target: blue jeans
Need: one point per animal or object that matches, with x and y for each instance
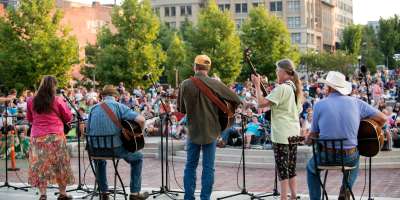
(136, 162)
(314, 188)
(207, 176)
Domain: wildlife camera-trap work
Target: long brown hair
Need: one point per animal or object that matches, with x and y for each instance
(289, 67)
(43, 100)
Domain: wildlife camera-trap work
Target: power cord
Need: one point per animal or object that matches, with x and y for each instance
(173, 165)
(365, 177)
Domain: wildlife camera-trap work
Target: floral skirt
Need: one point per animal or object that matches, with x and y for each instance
(49, 161)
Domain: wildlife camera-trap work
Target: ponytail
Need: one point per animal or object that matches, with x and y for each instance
(299, 90)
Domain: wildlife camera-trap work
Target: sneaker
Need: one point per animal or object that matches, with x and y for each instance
(140, 196)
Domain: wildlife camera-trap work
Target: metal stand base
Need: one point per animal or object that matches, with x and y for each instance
(243, 192)
(165, 191)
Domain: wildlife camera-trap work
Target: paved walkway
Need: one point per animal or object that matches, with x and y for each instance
(385, 182)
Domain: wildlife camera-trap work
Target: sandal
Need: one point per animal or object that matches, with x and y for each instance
(43, 197)
(64, 197)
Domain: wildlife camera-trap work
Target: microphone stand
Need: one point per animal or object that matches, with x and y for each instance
(78, 133)
(165, 119)
(244, 190)
(364, 72)
(5, 132)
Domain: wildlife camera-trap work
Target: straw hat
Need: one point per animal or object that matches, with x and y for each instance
(109, 90)
(337, 81)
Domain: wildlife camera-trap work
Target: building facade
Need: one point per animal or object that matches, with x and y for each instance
(313, 24)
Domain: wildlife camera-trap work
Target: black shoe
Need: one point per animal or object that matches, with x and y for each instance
(64, 197)
(344, 194)
(104, 196)
(140, 196)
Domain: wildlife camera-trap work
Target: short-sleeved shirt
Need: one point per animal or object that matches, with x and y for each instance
(339, 116)
(284, 113)
(99, 123)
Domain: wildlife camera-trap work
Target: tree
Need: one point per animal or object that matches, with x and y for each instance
(389, 37)
(176, 60)
(268, 38)
(33, 43)
(370, 52)
(130, 53)
(215, 35)
(351, 39)
(338, 61)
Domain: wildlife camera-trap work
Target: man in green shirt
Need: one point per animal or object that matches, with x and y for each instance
(203, 126)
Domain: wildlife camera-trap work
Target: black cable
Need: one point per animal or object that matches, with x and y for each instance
(237, 172)
(365, 177)
(173, 165)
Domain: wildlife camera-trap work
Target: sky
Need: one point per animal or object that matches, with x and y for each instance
(364, 10)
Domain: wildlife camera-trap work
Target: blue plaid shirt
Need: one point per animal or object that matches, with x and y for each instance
(100, 124)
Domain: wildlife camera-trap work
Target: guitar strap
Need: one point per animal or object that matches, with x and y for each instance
(111, 115)
(207, 91)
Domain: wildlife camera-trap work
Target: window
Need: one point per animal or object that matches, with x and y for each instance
(293, 22)
(241, 8)
(156, 11)
(171, 24)
(224, 7)
(166, 11)
(186, 10)
(244, 7)
(173, 11)
(255, 4)
(294, 6)
(296, 38)
(275, 6)
(183, 10)
(238, 8)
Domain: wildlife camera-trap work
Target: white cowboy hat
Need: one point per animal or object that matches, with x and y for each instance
(337, 81)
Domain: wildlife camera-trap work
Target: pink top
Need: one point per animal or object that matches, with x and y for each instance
(48, 123)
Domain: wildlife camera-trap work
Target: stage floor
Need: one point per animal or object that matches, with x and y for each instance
(385, 181)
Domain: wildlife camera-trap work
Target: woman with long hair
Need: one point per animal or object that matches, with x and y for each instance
(285, 103)
(49, 160)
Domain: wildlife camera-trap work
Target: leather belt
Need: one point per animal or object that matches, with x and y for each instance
(338, 151)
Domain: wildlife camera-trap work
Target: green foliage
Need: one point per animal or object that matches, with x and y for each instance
(338, 61)
(351, 39)
(371, 55)
(33, 44)
(268, 38)
(215, 36)
(389, 37)
(130, 53)
(165, 36)
(176, 60)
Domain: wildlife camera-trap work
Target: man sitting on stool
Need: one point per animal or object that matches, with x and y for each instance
(338, 116)
(100, 124)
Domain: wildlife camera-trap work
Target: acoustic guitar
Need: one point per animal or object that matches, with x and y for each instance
(132, 137)
(131, 133)
(370, 138)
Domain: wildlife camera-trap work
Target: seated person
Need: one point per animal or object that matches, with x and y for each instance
(99, 123)
(252, 131)
(231, 136)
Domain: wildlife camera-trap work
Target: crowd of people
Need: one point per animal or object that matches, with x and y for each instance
(383, 88)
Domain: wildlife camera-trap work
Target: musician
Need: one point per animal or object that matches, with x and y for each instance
(203, 125)
(338, 116)
(285, 103)
(49, 159)
(99, 123)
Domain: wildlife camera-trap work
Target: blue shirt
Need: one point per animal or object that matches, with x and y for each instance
(100, 124)
(339, 116)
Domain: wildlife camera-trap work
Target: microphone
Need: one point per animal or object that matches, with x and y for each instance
(147, 76)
